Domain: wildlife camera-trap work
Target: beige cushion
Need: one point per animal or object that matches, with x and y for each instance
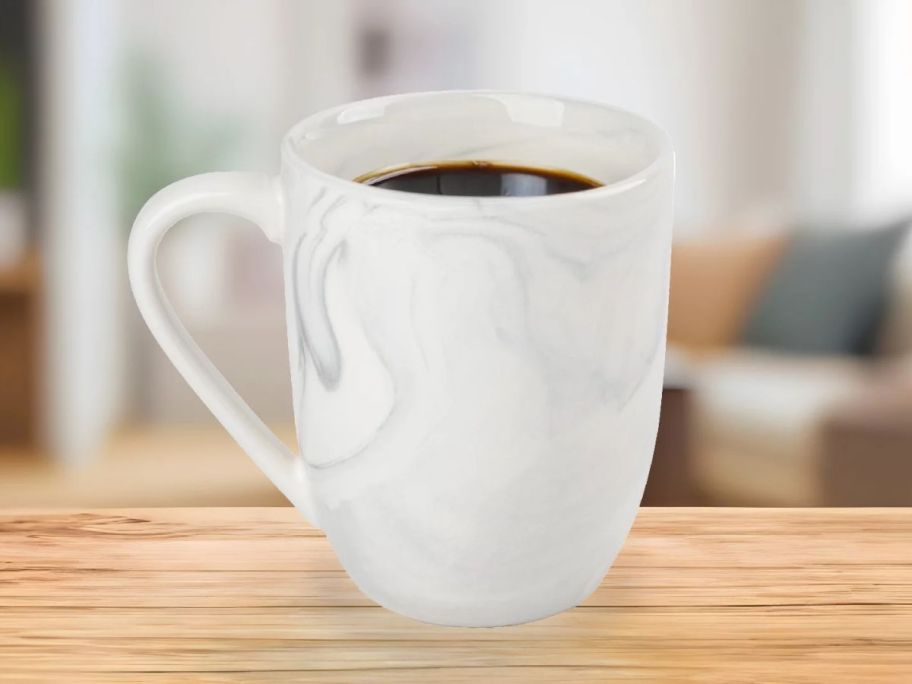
(757, 420)
(713, 284)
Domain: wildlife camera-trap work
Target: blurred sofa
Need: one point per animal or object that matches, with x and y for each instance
(778, 427)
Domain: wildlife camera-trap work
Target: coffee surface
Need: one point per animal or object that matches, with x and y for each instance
(478, 179)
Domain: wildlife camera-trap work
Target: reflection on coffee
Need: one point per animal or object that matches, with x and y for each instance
(478, 179)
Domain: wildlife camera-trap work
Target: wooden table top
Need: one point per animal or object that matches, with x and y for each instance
(253, 595)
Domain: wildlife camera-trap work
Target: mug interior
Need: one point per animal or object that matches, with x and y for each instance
(607, 144)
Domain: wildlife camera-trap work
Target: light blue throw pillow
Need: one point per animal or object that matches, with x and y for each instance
(827, 294)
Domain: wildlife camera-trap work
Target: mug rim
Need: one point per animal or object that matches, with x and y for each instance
(292, 156)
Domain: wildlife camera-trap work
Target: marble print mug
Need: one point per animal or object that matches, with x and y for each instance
(476, 380)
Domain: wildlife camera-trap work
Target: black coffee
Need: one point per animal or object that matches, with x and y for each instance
(478, 179)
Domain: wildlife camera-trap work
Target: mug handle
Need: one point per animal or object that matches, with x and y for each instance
(255, 197)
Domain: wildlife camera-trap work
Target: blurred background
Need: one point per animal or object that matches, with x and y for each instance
(790, 367)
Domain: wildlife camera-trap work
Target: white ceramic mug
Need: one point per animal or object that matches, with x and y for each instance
(476, 380)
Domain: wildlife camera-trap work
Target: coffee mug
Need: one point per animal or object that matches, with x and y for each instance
(476, 381)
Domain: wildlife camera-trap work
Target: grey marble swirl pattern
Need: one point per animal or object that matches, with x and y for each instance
(478, 394)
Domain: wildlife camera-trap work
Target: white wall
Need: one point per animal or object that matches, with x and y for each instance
(853, 132)
(825, 129)
(883, 147)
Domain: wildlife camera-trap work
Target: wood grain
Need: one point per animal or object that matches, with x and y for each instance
(253, 595)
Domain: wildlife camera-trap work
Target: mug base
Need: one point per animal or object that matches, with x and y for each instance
(487, 616)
